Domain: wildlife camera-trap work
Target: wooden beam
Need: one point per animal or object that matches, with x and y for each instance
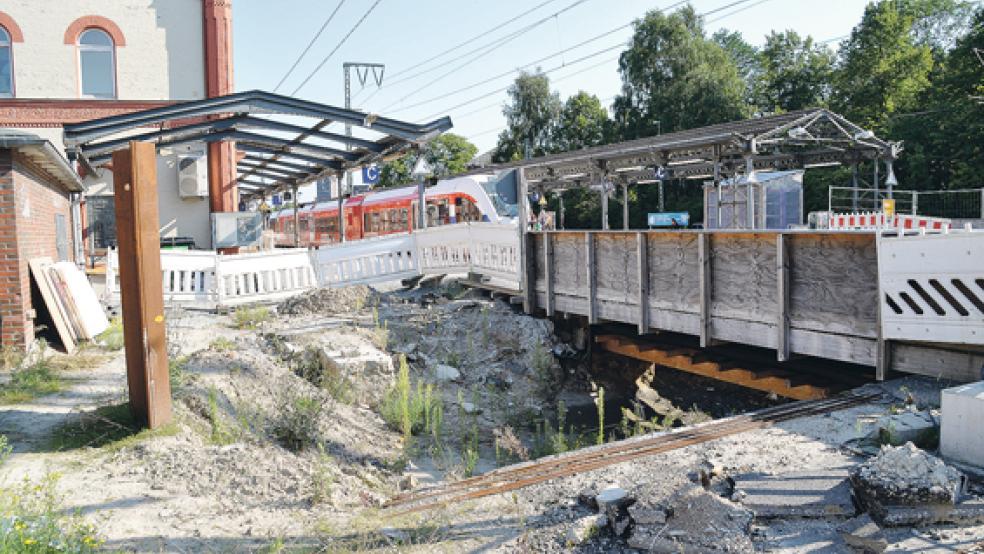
(642, 273)
(704, 279)
(589, 264)
(604, 208)
(782, 298)
(141, 289)
(625, 207)
(883, 359)
(529, 290)
(526, 281)
(548, 269)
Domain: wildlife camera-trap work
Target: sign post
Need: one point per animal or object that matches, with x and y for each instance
(141, 290)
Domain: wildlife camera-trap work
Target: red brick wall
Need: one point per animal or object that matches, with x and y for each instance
(28, 205)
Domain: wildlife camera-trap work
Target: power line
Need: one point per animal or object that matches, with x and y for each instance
(469, 41)
(310, 44)
(532, 63)
(482, 51)
(337, 46)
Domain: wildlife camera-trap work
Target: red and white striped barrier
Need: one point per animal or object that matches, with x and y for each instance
(878, 220)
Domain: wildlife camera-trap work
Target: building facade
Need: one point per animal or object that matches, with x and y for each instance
(66, 62)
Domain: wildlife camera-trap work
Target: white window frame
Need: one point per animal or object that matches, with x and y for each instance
(8, 43)
(80, 48)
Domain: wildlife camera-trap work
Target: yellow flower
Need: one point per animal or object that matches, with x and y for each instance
(20, 525)
(29, 541)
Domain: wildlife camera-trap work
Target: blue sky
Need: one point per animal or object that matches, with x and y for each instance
(269, 36)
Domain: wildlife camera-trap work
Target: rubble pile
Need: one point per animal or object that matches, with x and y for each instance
(696, 520)
(906, 476)
(323, 301)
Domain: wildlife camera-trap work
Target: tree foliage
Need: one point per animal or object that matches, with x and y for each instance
(531, 115)
(795, 73)
(581, 122)
(448, 154)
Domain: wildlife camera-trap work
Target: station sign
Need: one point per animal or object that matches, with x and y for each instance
(669, 219)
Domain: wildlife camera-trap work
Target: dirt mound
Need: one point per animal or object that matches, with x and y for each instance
(329, 301)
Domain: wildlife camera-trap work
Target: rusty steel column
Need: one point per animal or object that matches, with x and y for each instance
(141, 291)
(223, 193)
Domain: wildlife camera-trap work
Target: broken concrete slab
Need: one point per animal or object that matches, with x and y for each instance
(586, 528)
(965, 513)
(701, 521)
(647, 514)
(816, 493)
(444, 372)
(863, 534)
(906, 476)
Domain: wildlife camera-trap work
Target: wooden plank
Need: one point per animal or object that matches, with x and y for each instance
(589, 250)
(569, 258)
(625, 207)
(704, 278)
(782, 299)
(882, 346)
(526, 282)
(38, 271)
(744, 276)
(615, 267)
(548, 273)
(673, 263)
(529, 290)
(642, 276)
(142, 299)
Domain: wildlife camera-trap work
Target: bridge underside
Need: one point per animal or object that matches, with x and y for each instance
(808, 293)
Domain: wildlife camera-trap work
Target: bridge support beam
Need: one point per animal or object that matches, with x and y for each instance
(642, 274)
(704, 278)
(625, 207)
(782, 298)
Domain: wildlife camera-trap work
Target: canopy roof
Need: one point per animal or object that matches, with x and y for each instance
(805, 138)
(269, 160)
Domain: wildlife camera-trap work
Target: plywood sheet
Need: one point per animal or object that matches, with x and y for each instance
(90, 311)
(570, 275)
(616, 273)
(38, 266)
(673, 271)
(743, 276)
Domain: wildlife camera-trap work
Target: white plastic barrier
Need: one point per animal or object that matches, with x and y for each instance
(870, 221)
(932, 287)
(206, 279)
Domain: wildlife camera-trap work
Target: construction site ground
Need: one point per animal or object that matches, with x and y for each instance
(282, 439)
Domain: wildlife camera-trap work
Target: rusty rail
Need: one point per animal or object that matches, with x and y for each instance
(530, 473)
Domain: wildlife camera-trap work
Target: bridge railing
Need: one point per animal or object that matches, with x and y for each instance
(206, 279)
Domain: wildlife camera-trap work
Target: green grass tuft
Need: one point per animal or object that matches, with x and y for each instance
(250, 318)
(111, 427)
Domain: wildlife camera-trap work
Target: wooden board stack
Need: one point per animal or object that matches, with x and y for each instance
(71, 302)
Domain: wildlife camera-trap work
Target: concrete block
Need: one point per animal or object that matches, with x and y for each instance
(812, 494)
(962, 432)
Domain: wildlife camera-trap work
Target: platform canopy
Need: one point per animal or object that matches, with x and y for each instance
(807, 138)
(275, 153)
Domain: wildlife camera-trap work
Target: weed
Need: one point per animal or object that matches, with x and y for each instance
(11, 357)
(176, 371)
(222, 344)
(507, 442)
(27, 382)
(219, 435)
(296, 424)
(323, 477)
(5, 449)
(542, 362)
(309, 366)
(32, 521)
(250, 318)
(112, 337)
(601, 416)
(408, 409)
(380, 335)
(79, 361)
(452, 358)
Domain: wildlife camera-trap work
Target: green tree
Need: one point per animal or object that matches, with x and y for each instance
(882, 69)
(796, 73)
(581, 123)
(675, 78)
(447, 154)
(745, 57)
(531, 114)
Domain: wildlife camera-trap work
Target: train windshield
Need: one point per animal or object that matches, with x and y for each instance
(502, 193)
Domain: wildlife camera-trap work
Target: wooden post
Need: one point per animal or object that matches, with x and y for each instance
(590, 267)
(782, 298)
(604, 207)
(548, 272)
(625, 207)
(141, 289)
(529, 291)
(883, 348)
(704, 277)
(526, 281)
(642, 272)
(560, 198)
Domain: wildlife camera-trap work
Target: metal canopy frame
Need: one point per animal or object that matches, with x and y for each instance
(805, 138)
(282, 162)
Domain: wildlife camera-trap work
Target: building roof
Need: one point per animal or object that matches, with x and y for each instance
(269, 161)
(43, 154)
(793, 140)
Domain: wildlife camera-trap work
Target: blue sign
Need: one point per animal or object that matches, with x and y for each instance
(669, 219)
(370, 174)
(323, 189)
(276, 200)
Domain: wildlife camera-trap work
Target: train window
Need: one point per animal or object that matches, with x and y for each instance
(304, 225)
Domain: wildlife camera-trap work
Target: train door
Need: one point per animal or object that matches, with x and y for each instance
(353, 218)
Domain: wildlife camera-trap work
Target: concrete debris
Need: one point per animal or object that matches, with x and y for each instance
(863, 534)
(921, 428)
(907, 476)
(701, 521)
(470, 409)
(812, 494)
(612, 497)
(586, 528)
(962, 441)
(643, 513)
(444, 372)
(398, 536)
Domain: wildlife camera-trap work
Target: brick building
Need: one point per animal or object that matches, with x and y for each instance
(39, 205)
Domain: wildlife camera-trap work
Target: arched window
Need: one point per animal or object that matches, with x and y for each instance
(97, 64)
(6, 65)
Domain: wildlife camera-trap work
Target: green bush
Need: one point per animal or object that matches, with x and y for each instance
(297, 420)
(112, 337)
(250, 318)
(408, 409)
(27, 382)
(32, 521)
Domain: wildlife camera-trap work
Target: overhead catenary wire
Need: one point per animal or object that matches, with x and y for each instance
(482, 51)
(337, 46)
(309, 45)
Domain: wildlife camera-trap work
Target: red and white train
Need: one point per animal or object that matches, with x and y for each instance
(388, 211)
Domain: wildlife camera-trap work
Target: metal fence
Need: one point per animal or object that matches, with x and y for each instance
(953, 204)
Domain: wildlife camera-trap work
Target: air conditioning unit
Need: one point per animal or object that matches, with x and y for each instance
(192, 177)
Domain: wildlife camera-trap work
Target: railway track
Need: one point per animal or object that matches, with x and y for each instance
(531, 473)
